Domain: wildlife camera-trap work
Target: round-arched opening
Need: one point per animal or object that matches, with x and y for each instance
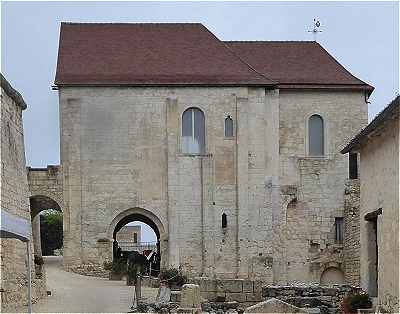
(47, 228)
(39, 203)
(137, 232)
(331, 276)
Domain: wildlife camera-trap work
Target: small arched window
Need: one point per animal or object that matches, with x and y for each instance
(193, 131)
(228, 127)
(316, 135)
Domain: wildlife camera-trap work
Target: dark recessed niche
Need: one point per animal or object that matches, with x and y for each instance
(224, 221)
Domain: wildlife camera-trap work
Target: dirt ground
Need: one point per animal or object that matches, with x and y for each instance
(71, 292)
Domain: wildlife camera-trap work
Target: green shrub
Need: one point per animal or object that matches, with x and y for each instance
(173, 276)
(38, 260)
(107, 265)
(351, 303)
(51, 231)
(118, 266)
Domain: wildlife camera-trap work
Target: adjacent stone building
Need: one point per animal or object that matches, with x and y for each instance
(378, 147)
(230, 151)
(14, 199)
(129, 234)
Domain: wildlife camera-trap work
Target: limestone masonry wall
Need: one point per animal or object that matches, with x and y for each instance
(14, 199)
(351, 250)
(313, 187)
(379, 177)
(245, 291)
(326, 298)
(121, 156)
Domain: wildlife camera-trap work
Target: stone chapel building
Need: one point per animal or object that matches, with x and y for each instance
(230, 151)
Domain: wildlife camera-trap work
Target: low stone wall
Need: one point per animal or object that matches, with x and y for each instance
(326, 298)
(245, 291)
(89, 270)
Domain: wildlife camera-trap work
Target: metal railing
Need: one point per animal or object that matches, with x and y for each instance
(139, 247)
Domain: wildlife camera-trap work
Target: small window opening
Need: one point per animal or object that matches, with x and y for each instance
(224, 221)
(353, 166)
(228, 127)
(135, 237)
(316, 135)
(339, 230)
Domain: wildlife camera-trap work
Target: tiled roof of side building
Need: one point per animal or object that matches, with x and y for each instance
(148, 54)
(298, 63)
(14, 94)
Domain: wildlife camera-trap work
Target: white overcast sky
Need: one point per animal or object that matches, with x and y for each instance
(362, 36)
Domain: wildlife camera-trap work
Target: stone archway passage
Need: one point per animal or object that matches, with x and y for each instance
(141, 215)
(39, 203)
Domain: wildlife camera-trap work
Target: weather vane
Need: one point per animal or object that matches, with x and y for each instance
(315, 29)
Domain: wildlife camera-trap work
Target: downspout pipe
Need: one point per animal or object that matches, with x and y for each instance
(237, 189)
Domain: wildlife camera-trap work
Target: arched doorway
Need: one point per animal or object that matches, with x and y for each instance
(39, 204)
(124, 220)
(331, 276)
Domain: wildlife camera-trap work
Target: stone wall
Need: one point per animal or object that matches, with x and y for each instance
(312, 187)
(127, 234)
(113, 167)
(46, 182)
(14, 199)
(379, 178)
(245, 291)
(326, 298)
(121, 156)
(351, 250)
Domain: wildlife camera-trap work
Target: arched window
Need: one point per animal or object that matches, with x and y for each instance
(228, 127)
(316, 135)
(193, 131)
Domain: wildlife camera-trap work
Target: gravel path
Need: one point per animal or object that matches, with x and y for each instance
(76, 293)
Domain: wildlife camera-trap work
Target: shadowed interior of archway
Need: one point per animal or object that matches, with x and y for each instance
(132, 218)
(39, 203)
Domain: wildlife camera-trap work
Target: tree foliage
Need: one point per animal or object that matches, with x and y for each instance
(51, 231)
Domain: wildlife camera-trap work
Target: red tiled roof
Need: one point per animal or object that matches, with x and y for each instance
(189, 54)
(131, 54)
(294, 63)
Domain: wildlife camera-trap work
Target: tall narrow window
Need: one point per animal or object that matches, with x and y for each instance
(224, 221)
(135, 237)
(316, 135)
(339, 230)
(193, 131)
(353, 167)
(228, 127)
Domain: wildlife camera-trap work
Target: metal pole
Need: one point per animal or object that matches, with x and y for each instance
(28, 252)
